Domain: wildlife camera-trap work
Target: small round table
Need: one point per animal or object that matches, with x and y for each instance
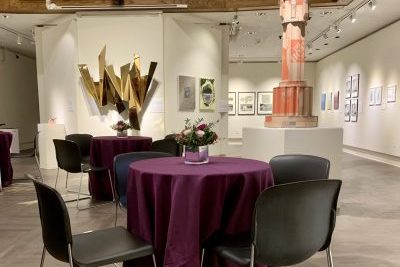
(178, 207)
(5, 158)
(103, 149)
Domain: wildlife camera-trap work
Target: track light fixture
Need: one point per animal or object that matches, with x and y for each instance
(325, 36)
(352, 17)
(372, 4)
(19, 41)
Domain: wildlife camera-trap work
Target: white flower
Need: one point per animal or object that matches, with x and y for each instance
(200, 133)
(186, 132)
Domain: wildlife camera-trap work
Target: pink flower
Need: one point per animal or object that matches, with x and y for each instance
(201, 126)
(186, 132)
(200, 133)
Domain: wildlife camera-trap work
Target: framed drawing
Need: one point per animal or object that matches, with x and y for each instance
(336, 100)
(354, 110)
(246, 103)
(347, 108)
(378, 96)
(264, 103)
(371, 96)
(329, 101)
(232, 103)
(207, 94)
(187, 94)
(391, 93)
(347, 93)
(323, 101)
(355, 82)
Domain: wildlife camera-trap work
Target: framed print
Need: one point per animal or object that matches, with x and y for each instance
(391, 93)
(246, 103)
(336, 100)
(232, 103)
(187, 93)
(347, 93)
(264, 103)
(355, 82)
(347, 108)
(207, 94)
(378, 96)
(354, 110)
(371, 96)
(329, 101)
(323, 101)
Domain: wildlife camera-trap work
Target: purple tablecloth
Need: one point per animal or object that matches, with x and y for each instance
(5, 158)
(178, 207)
(102, 152)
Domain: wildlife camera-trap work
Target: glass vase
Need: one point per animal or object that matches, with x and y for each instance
(196, 155)
(122, 134)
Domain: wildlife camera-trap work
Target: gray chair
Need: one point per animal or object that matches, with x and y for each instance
(291, 222)
(90, 249)
(296, 168)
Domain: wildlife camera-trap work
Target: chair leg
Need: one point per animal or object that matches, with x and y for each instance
(79, 192)
(202, 257)
(43, 255)
(71, 261)
(66, 181)
(252, 256)
(58, 172)
(154, 260)
(329, 257)
(111, 184)
(116, 214)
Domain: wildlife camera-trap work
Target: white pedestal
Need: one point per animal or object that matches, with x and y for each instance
(15, 140)
(47, 153)
(265, 143)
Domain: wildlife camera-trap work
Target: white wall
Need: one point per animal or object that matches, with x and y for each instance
(376, 59)
(256, 77)
(18, 95)
(193, 50)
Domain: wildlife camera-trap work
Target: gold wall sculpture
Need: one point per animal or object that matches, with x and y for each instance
(131, 88)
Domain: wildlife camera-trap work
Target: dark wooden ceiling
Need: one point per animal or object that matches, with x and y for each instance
(38, 6)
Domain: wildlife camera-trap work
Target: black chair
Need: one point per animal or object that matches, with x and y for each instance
(121, 171)
(296, 168)
(169, 146)
(95, 248)
(83, 141)
(69, 158)
(291, 222)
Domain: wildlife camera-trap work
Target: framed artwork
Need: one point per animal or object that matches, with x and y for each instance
(246, 103)
(207, 94)
(336, 100)
(347, 109)
(354, 110)
(323, 101)
(391, 93)
(348, 87)
(378, 96)
(232, 103)
(355, 82)
(187, 93)
(371, 96)
(264, 103)
(329, 101)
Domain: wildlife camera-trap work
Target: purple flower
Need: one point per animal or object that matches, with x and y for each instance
(201, 127)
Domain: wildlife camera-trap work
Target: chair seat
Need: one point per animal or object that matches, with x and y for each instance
(240, 255)
(89, 168)
(107, 246)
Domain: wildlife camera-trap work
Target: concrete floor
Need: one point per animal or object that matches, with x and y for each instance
(367, 232)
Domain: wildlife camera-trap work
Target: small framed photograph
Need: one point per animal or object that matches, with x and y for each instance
(355, 82)
(336, 100)
(232, 103)
(323, 101)
(378, 96)
(348, 87)
(371, 96)
(264, 103)
(354, 110)
(347, 109)
(246, 101)
(391, 94)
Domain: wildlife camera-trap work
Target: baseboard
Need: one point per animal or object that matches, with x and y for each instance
(372, 155)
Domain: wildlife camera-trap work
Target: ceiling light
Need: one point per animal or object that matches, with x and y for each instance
(309, 48)
(337, 29)
(19, 41)
(325, 36)
(353, 18)
(261, 14)
(251, 33)
(372, 4)
(244, 46)
(5, 16)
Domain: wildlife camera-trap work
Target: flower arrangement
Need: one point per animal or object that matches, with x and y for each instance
(197, 134)
(121, 126)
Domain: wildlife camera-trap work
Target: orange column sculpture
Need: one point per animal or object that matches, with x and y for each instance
(292, 100)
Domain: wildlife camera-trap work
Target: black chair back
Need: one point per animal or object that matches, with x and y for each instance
(294, 221)
(121, 169)
(167, 146)
(68, 155)
(56, 228)
(296, 168)
(83, 141)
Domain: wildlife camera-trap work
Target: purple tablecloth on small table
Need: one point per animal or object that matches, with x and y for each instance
(5, 158)
(102, 152)
(177, 207)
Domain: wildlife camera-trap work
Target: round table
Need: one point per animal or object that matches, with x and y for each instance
(178, 207)
(103, 149)
(5, 158)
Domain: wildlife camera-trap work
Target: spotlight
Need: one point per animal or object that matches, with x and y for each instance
(19, 41)
(372, 4)
(309, 48)
(353, 18)
(325, 36)
(337, 29)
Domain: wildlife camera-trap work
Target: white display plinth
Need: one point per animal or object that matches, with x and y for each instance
(15, 140)
(47, 153)
(265, 143)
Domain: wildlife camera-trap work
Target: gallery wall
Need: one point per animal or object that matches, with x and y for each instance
(375, 59)
(18, 95)
(256, 77)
